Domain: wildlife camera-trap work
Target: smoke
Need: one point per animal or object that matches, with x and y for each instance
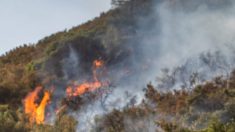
(185, 36)
(178, 31)
(177, 34)
(182, 34)
(147, 124)
(71, 65)
(195, 37)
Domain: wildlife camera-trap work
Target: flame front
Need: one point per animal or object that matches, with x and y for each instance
(36, 112)
(87, 86)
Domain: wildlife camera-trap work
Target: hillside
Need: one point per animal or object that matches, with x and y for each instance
(18, 66)
(95, 77)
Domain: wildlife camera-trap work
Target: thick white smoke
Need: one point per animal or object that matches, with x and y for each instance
(178, 36)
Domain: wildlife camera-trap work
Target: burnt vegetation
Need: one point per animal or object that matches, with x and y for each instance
(198, 105)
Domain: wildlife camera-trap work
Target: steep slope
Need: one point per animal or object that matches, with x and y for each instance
(19, 66)
(132, 42)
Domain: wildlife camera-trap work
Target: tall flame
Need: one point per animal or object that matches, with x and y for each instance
(36, 112)
(40, 112)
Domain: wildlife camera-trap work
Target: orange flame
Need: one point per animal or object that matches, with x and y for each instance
(36, 112)
(88, 86)
(40, 113)
(85, 87)
(98, 63)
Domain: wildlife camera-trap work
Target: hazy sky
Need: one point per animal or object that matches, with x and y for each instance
(27, 21)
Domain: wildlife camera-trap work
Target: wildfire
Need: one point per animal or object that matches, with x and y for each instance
(36, 112)
(98, 63)
(87, 86)
(40, 113)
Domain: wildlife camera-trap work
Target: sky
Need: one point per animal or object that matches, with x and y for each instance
(27, 21)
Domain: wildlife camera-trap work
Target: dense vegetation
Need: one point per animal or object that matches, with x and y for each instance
(207, 107)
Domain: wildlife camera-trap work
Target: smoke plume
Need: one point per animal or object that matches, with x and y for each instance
(186, 37)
